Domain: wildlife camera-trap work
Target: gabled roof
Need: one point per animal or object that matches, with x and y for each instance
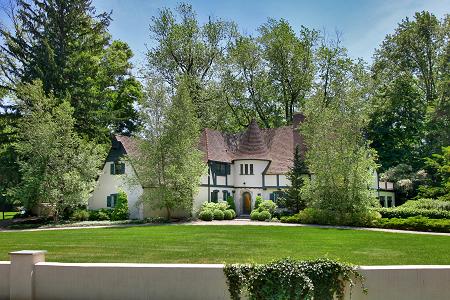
(276, 145)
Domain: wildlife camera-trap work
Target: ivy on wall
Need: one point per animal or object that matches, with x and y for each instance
(322, 279)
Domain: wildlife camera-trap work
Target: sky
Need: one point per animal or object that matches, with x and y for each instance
(363, 24)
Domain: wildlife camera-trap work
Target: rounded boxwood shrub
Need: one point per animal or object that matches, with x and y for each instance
(206, 215)
(80, 215)
(218, 214)
(265, 215)
(254, 215)
(228, 215)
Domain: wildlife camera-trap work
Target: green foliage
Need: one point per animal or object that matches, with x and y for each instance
(264, 216)
(120, 211)
(437, 183)
(418, 223)
(66, 46)
(406, 212)
(427, 204)
(405, 180)
(58, 167)
(397, 124)
(417, 49)
(218, 214)
(289, 279)
(231, 203)
(80, 215)
(100, 215)
(169, 160)
(258, 201)
(206, 215)
(323, 217)
(338, 154)
(292, 199)
(254, 215)
(266, 205)
(228, 214)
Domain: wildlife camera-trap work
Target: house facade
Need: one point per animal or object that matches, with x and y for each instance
(245, 165)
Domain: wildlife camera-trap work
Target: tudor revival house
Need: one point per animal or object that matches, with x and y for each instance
(243, 165)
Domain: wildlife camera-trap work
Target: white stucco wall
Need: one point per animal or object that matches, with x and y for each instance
(249, 180)
(108, 184)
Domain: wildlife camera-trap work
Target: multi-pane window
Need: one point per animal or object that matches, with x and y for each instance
(117, 168)
(225, 194)
(111, 200)
(215, 196)
(246, 169)
(382, 201)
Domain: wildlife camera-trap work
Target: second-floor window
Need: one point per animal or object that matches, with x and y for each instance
(117, 168)
(246, 169)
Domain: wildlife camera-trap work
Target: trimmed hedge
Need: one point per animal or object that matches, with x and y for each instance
(403, 213)
(415, 223)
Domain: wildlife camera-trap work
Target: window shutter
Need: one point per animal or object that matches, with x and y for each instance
(113, 169)
(108, 201)
(122, 168)
(272, 196)
(251, 169)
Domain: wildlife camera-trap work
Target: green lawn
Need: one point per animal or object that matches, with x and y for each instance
(218, 244)
(8, 215)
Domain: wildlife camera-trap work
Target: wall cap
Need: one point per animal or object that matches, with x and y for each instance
(28, 252)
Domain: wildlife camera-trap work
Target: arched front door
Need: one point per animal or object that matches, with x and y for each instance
(247, 203)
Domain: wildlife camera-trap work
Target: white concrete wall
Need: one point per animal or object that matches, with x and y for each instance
(188, 281)
(129, 281)
(4, 279)
(108, 184)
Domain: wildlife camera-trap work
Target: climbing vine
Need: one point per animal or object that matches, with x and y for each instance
(285, 279)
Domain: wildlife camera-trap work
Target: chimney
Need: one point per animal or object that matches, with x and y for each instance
(298, 118)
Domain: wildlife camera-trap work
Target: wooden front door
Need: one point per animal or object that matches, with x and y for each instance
(247, 201)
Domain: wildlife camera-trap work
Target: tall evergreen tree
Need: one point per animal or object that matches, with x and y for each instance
(66, 45)
(293, 199)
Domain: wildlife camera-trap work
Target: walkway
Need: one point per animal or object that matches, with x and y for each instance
(234, 222)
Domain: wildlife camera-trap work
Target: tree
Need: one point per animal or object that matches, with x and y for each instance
(397, 124)
(437, 169)
(291, 62)
(293, 199)
(65, 44)
(420, 48)
(338, 156)
(184, 48)
(168, 162)
(58, 167)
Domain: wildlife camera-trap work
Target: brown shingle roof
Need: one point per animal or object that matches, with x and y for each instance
(276, 145)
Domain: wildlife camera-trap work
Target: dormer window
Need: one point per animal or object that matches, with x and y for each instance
(246, 169)
(117, 168)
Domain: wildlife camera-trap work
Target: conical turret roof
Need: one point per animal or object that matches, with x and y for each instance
(252, 142)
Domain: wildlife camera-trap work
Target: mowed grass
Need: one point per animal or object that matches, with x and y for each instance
(228, 244)
(8, 215)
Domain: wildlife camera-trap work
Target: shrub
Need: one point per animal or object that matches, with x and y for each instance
(427, 204)
(264, 215)
(323, 217)
(267, 205)
(258, 201)
(290, 279)
(254, 215)
(415, 223)
(206, 215)
(120, 212)
(403, 213)
(230, 201)
(80, 215)
(99, 215)
(228, 215)
(218, 214)
(222, 205)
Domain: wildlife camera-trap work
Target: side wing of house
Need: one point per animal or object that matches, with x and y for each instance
(117, 175)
